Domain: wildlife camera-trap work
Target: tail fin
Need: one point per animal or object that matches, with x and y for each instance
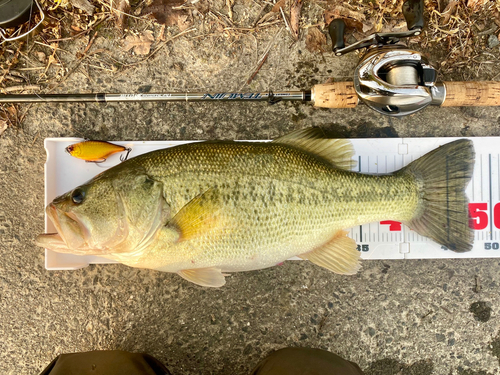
(442, 175)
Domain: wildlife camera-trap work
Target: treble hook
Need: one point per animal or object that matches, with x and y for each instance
(123, 158)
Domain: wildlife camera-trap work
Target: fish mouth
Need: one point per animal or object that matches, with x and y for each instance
(52, 241)
(71, 236)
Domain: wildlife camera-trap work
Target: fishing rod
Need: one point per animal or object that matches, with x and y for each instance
(390, 78)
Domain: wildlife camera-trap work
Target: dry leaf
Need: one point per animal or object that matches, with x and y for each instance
(351, 24)
(183, 22)
(83, 5)
(163, 12)
(12, 112)
(42, 57)
(140, 43)
(339, 11)
(121, 10)
(273, 13)
(278, 5)
(3, 126)
(448, 11)
(315, 40)
(295, 18)
(473, 4)
(7, 117)
(267, 17)
(353, 20)
(161, 34)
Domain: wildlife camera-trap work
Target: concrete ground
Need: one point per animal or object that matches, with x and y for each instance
(393, 317)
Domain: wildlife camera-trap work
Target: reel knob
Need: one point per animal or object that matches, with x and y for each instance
(336, 30)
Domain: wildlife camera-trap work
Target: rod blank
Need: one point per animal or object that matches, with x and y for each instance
(269, 96)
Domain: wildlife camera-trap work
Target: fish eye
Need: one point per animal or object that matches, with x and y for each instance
(69, 149)
(78, 196)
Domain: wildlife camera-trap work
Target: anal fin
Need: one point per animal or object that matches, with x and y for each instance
(339, 255)
(211, 276)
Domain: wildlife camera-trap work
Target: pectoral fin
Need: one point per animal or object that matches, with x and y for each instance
(338, 255)
(197, 217)
(211, 277)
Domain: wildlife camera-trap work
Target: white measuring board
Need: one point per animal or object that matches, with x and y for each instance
(385, 240)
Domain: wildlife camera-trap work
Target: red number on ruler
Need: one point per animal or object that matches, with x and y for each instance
(479, 215)
(394, 226)
(496, 215)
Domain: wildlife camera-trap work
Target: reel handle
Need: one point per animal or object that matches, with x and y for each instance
(413, 11)
(336, 30)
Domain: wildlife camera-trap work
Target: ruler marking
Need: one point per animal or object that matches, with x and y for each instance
(481, 169)
(498, 187)
(491, 202)
(360, 227)
(369, 225)
(472, 183)
(447, 200)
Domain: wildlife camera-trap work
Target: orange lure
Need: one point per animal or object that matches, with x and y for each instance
(96, 151)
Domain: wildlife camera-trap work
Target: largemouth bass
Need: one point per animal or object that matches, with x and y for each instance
(204, 209)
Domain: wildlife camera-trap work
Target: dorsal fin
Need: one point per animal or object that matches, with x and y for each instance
(339, 152)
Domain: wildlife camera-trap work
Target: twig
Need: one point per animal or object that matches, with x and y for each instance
(445, 309)
(77, 63)
(143, 18)
(251, 29)
(10, 77)
(264, 56)
(34, 68)
(262, 61)
(11, 62)
(477, 286)
(19, 88)
(91, 41)
(286, 22)
(229, 4)
(52, 47)
(34, 140)
(486, 32)
(101, 68)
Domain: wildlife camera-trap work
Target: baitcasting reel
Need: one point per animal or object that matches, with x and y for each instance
(390, 78)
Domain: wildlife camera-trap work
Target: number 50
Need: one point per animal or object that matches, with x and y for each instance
(479, 215)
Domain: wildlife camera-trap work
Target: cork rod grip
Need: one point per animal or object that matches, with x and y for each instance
(334, 95)
(477, 94)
